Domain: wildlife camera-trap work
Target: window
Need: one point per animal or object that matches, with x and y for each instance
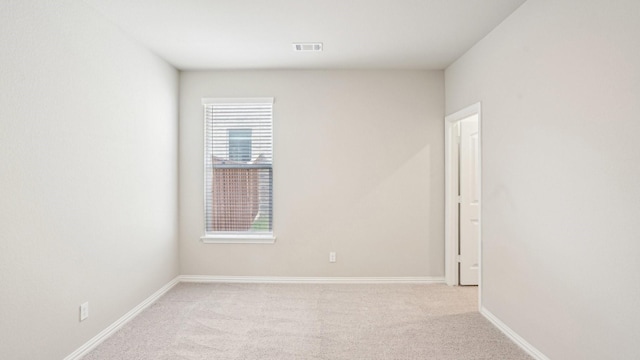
(238, 170)
(240, 145)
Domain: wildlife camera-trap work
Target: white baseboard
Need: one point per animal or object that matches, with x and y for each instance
(528, 348)
(104, 334)
(312, 280)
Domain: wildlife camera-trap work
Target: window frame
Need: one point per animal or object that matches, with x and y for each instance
(233, 237)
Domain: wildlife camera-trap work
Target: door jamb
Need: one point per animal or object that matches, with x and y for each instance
(451, 196)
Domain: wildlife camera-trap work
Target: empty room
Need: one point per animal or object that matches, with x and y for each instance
(320, 179)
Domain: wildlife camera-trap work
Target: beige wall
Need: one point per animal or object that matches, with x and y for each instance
(358, 169)
(559, 83)
(88, 132)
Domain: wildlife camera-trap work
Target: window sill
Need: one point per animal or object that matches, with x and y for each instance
(238, 239)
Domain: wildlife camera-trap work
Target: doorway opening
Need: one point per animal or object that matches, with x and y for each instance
(463, 250)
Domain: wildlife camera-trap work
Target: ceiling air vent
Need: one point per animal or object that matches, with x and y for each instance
(307, 46)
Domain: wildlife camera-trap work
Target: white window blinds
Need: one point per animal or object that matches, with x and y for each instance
(238, 166)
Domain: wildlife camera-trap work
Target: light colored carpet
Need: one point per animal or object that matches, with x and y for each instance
(301, 321)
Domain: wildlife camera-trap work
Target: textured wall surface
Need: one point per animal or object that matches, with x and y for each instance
(88, 210)
(358, 169)
(559, 83)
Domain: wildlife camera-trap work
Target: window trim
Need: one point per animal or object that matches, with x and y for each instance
(232, 237)
(238, 239)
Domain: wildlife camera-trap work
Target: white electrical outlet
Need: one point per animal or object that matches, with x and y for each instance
(84, 311)
(332, 257)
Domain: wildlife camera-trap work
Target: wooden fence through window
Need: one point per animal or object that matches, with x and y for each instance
(236, 200)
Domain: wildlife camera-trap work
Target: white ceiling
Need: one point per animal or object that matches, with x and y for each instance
(257, 34)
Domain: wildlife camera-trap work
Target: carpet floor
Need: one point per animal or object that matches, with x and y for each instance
(304, 321)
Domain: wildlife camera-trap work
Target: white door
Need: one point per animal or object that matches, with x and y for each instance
(469, 191)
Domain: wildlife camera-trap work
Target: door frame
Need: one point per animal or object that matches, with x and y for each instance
(451, 194)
